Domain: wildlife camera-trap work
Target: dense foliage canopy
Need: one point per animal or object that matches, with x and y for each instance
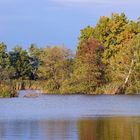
(107, 60)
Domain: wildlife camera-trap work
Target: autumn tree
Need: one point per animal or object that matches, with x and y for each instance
(89, 70)
(125, 68)
(85, 34)
(114, 33)
(135, 26)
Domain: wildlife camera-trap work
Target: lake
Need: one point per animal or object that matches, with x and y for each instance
(70, 117)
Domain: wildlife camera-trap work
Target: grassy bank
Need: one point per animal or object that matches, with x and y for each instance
(7, 90)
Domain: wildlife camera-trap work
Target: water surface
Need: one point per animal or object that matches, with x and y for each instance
(70, 117)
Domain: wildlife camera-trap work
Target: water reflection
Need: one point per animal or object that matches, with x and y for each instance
(59, 130)
(109, 129)
(103, 128)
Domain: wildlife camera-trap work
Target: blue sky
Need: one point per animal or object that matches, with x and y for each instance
(55, 22)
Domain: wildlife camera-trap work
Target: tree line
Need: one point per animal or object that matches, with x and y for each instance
(107, 60)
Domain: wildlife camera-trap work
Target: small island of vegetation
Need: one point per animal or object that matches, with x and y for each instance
(107, 61)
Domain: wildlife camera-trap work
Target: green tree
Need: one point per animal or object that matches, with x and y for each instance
(5, 69)
(35, 59)
(20, 61)
(55, 67)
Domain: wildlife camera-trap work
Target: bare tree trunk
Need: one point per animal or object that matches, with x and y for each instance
(129, 73)
(121, 89)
